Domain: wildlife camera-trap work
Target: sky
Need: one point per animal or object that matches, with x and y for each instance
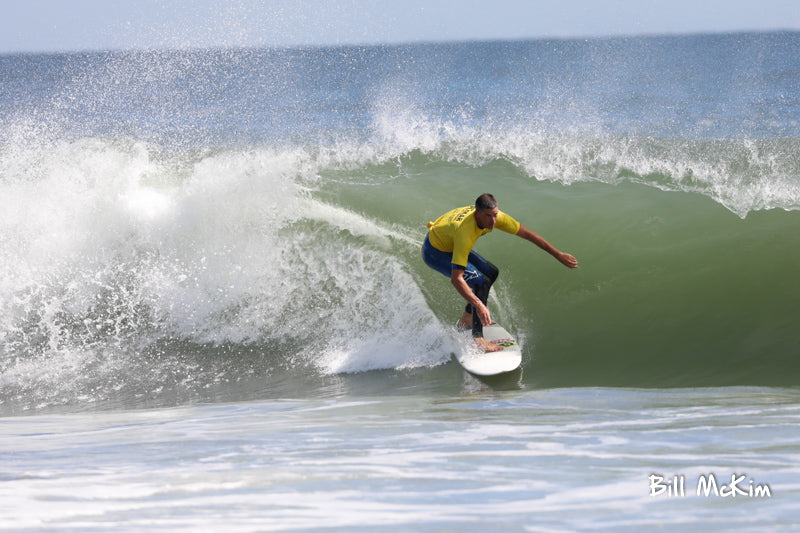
(77, 25)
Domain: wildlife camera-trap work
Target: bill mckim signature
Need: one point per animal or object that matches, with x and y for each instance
(707, 485)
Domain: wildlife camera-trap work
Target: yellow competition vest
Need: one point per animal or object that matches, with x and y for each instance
(456, 232)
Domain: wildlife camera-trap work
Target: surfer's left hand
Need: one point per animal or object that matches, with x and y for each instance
(567, 260)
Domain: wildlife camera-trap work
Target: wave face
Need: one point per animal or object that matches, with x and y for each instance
(177, 226)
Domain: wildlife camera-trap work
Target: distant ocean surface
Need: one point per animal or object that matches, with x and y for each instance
(214, 314)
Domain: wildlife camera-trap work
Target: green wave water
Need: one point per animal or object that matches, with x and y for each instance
(673, 288)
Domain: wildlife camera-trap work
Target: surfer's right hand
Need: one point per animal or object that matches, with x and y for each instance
(484, 315)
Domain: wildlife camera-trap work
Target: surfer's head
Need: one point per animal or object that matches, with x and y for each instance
(486, 211)
(485, 201)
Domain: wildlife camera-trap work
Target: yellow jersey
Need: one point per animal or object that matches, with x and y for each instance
(457, 231)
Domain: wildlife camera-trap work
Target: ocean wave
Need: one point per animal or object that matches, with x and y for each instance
(130, 270)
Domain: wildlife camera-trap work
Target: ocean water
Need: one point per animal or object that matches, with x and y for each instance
(214, 315)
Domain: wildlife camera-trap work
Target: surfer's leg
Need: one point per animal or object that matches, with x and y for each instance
(442, 262)
(482, 292)
(484, 266)
(436, 259)
(480, 274)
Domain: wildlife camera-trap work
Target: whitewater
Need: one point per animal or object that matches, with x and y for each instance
(214, 314)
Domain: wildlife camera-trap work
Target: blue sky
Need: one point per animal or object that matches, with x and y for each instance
(70, 25)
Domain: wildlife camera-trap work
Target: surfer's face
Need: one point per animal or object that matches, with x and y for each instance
(486, 217)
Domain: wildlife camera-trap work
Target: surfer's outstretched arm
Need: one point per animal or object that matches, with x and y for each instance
(565, 259)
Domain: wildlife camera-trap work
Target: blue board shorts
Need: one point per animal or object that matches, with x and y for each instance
(479, 275)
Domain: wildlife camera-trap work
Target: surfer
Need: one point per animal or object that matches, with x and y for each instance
(448, 249)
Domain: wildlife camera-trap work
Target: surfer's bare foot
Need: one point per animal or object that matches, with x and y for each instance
(486, 345)
(465, 322)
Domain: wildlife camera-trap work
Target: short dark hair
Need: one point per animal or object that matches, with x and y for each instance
(485, 201)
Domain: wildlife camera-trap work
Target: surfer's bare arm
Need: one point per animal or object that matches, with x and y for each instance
(565, 259)
(457, 279)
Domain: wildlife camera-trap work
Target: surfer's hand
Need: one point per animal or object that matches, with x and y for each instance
(484, 315)
(567, 260)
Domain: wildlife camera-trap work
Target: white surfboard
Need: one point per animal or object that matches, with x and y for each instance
(481, 363)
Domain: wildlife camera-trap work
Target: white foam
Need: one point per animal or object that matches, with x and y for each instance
(109, 246)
